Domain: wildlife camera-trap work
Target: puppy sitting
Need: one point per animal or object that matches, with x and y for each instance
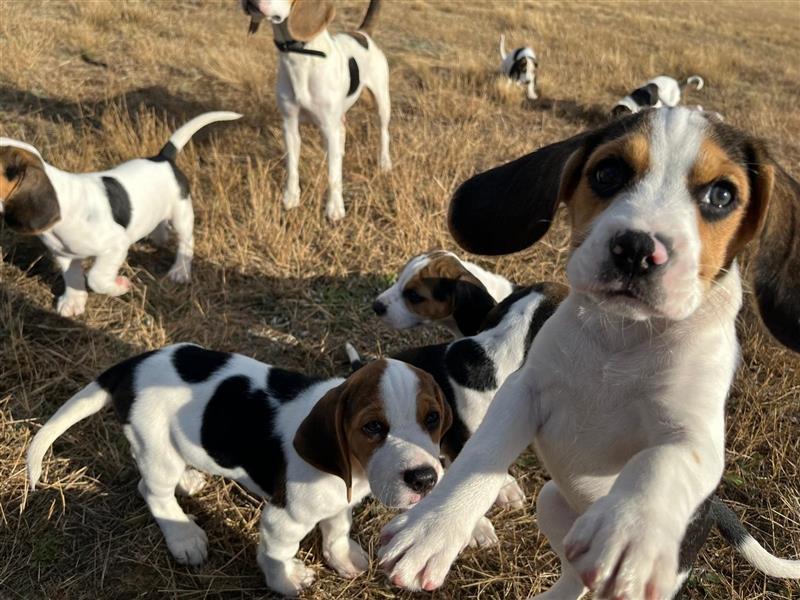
(82, 215)
(438, 287)
(659, 91)
(520, 67)
(314, 447)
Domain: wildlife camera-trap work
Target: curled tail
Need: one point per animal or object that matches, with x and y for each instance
(185, 132)
(503, 52)
(745, 544)
(91, 399)
(356, 362)
(694, 81)
(368, 24)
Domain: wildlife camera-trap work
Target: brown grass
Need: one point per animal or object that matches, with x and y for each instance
(289, 289)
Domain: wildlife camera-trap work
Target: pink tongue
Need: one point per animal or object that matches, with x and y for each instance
(660, 254)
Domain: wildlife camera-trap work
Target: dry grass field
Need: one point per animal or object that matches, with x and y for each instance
(94, 82)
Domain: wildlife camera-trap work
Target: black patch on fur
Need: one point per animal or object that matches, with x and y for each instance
(646, 95)
(432, 359)
(119, 200)
(471, 301)
(728, 524)
(362, 39)
(696, 534)
(470, 366)
(168, 154)
(238, 430)
(285, 386)
(518, 69)
(196, 365)
(355, 80)
(118, 381)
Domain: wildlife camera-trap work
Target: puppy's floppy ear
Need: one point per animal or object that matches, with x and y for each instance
(308, 18)
(30, 204)
(321, 439)
(451, 282)
(447, 412)
(646, 95)
(508, 208)
(774, 213)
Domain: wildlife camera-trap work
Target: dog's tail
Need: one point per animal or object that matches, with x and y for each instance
(745, 544)
(503, 52)
(91, 399)
(694, 81)
(185, 132)
(368, 24)
(356, 362)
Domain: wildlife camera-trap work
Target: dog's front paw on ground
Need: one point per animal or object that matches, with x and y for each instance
(335, 211)
(483, 535)
(511, 495)
(292, 579)
(188, 543)
(622, 550)
(291, 198)
(346, 557)
(72, 304)
(180, 273)
(191, 482)
(116, 287)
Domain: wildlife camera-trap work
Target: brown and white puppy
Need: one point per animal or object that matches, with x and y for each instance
(438, 287)
(313, 447)
(623, 391)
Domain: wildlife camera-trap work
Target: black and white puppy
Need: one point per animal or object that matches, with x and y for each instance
(520, 66)
(314, 447)
(659, 91)
(100, 215)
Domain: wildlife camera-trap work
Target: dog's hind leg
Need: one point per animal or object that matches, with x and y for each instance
(382, 98)
(183, 223)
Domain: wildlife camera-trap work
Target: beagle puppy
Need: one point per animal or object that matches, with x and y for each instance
(471, 370)
(438, 287)
(623, 390)
(659, 91)
(320, 76)
(315, 448)
(100, 215)
(520, 67)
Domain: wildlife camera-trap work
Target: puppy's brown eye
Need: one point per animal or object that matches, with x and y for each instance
(432, 420)
(609, 176)
(374, 429)
(413, 296)
(719, 200)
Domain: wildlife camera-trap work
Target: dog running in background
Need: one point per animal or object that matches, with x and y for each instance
(659, 91)
(520, 67)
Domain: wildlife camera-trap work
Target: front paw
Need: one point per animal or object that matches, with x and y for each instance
(288, 578)
(115, 287)
(483, 536)
(624, 550)
(72, 304)
(187, 542)
(419, 547)
(346, 557)
(335, 209)
(511, 495)
(385, 163)
(180, 273)
(291, 198)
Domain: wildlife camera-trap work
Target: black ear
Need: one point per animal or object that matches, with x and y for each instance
(472, 303)
(646, 95)
(32, 205)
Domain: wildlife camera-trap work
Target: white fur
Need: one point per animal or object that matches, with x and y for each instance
(164, 430)
(87, 228)
(507, 60)
(316, 88)
(669, 92)
(626, 414)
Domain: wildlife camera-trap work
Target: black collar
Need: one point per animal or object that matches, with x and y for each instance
(297, 47)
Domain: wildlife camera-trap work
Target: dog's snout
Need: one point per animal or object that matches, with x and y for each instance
(379, 308)
(421, 479)
(636, 252)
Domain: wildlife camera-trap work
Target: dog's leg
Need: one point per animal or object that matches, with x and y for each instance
(291, 137)
(333, 130)
(183, 223)
(341, 553)
(383, 100)
(191, 482)
(532, 88)
(555, 519)
(104, 275)
(73, 301)
(279, 543)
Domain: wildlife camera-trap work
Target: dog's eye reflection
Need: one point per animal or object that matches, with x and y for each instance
(374, 429)
(609, 176)
(432, 420)
(720, 195)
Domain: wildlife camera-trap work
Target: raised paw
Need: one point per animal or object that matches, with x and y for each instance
(192, 481)
(622, 550)
(187, 542)
(511, 495)
(72, 304)
(288, 578)
(483, 535)
(346, 557)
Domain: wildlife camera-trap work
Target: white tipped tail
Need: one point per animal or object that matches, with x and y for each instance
(356, 362)
(503, 52)
(85, 403)
(185, 132)
(696, 81)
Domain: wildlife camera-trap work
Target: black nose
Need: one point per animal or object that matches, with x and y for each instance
(421, 480)
(632, 252)
(379, 308)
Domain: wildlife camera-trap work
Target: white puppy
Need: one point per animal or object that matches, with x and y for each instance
(99, 215)
(320, 76)
(520, 67)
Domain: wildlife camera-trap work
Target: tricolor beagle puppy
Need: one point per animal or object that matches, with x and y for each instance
(659, 91)
(99, 215)
(623, 390)
(313, 447)
(320, 76)
(438, 287)
(471, 370)
(520, 67)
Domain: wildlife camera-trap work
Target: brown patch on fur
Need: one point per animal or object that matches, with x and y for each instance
(30, 203)
(437, 304)
(723, 239)
(362, 39)
(430, 398)
(309, 18)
